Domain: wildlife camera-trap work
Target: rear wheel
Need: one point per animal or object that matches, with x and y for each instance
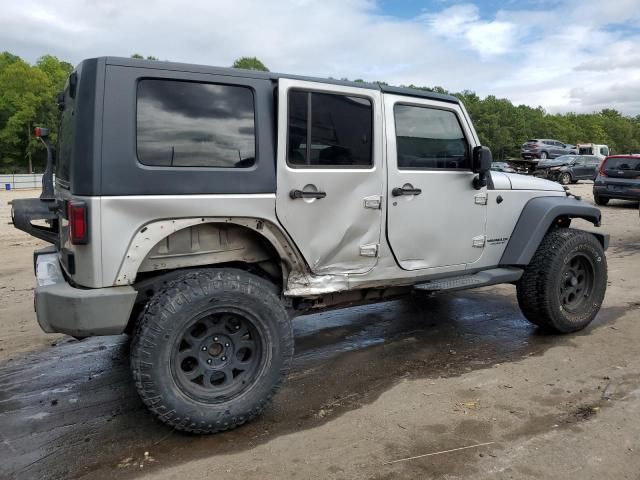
(600, 200)
(563, 287)
(544, 155)
(211, 350)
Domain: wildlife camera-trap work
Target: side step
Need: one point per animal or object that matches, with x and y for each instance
(463, 282)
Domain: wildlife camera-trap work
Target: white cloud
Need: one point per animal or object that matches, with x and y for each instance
(462, 23)
(567, 55)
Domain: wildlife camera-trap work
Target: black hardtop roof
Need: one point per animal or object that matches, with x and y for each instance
(186, 67)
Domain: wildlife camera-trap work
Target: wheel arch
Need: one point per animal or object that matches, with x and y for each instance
(175, 244)
(538, 216)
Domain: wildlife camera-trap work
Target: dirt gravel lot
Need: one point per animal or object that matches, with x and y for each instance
(370, 385)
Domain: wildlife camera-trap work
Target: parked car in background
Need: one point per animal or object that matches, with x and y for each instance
(545, 148)
(568, 169)
(618, 177)
(502, 167)
(600, 151)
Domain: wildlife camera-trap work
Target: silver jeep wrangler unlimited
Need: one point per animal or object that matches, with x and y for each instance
(200, 208)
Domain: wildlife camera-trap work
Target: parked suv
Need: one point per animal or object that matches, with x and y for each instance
(568, 169)
(545, 148)
(199, 209)
(618, 177)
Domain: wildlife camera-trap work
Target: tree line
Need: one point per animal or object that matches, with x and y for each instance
(28, 94)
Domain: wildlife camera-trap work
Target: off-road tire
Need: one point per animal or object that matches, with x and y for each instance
(600, 200)
(539, 288)
(171, 312)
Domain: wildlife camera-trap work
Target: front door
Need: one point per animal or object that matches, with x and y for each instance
(436, 218)
(331, 173)
(579, 168)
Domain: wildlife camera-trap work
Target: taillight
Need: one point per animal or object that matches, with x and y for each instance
(601, 168)
(78, 224)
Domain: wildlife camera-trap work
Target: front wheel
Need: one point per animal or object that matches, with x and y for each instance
(544, 155)
(564, 178)
(211, 350)
(563, 287)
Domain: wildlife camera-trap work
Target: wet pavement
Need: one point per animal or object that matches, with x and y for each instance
(72, 410)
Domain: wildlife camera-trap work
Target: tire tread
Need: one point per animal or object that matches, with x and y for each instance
(153, 322)
(533, 296)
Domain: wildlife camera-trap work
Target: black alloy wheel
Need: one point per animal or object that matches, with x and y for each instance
(576, 286)
(218, 356)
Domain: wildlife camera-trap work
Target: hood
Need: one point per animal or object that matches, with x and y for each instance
(525, 182)
(551, 163)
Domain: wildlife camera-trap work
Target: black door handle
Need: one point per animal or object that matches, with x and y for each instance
(396, 192)
(300, 194)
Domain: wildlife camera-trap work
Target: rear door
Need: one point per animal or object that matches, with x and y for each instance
(558, 148)
(622, 173)
(591, 168)
(435, 216)
(331, 173)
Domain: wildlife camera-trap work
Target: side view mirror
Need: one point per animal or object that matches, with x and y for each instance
(481, 164)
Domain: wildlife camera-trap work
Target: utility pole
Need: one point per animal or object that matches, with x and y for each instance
(28, 149)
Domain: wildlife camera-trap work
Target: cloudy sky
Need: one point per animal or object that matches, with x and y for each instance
(566, 55)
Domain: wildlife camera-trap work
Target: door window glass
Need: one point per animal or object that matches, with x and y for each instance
(429, 138)
(329, 130)
(189, 124)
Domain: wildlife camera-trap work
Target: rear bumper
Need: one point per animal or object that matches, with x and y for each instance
(62, 308)
(621, 192)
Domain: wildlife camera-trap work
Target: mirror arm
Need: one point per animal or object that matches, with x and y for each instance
(480, 180)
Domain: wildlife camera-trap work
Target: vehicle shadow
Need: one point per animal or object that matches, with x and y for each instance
(73, 411)
(623, 204)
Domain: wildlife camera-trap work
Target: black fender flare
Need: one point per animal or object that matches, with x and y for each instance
(537, 217)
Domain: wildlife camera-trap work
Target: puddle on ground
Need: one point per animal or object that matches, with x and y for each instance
(73, 411)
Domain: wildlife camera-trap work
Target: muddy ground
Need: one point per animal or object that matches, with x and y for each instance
(370, 385)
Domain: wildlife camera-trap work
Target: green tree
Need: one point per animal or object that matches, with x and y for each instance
(27, 99)
(250, 63)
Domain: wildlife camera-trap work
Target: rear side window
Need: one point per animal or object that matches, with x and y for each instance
(429, 138)
(189, 124)
(66, 134)
(329, 130)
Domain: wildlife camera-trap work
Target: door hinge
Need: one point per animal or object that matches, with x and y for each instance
(478, 242)
(480, 198)
(374, 202)
(370, 250)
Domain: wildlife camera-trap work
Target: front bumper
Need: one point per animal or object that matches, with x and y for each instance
(546, 174)
(62, 308)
